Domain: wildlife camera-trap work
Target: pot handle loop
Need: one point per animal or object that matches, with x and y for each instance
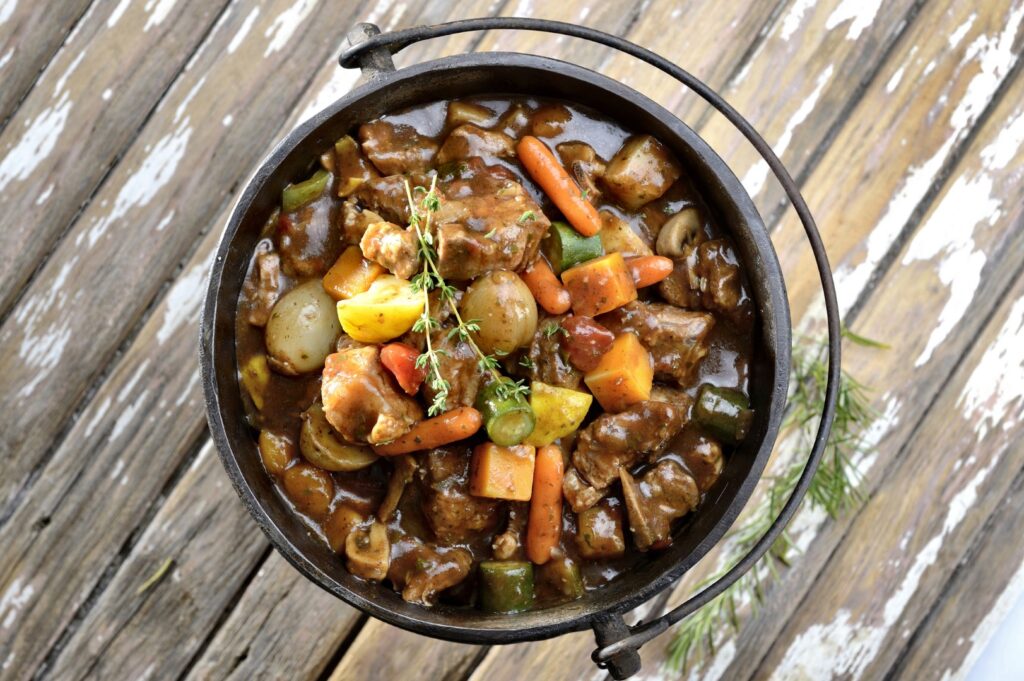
(618, 643)
(374, 62)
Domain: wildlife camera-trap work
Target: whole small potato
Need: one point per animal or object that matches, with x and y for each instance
(303, 329)
(506, 311)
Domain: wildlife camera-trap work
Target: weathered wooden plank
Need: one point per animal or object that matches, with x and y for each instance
(371, 656)
(201, 517)
(902, 548)
(147, 405)
(283, 626)
(93, 97)
(219, 116)
(989, 582)
(30, 34)
(909, 305)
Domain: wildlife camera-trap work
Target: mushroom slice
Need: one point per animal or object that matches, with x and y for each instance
(662, 494)
(323, 447)
(369, 552)
(404, 468)
(682, 229)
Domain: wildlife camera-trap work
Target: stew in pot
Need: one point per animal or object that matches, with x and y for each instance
(496, 350)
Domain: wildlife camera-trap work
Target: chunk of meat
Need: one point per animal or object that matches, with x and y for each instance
(308, 239)
(578, 493)
(264, 290)
(549, 356)
(641, 171)
(703, 458)
(469, 140)
(386, 196)
(452, 512)
(459, 366)
(360, 402)
(662, 494)
(486, 222)
(396, 149)
(583, 163)
(507, 545)
(681, 287)
(709, 275)
(422, 571)
(677, 339)
(616, 441)
(392, 247)
(600, 533)
(355, 221)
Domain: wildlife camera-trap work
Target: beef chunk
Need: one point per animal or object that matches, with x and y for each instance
(468, 140)
(386, 196)
(549, 356)
(615, 441)
(459, 366)
(396, 149)
(600, 532)
(677, 339)
(393, 247)
(709, 276)
(308, 239)
(508, 544)
(263, 291)
(355, 221)
(452, 513)
(422, 571)
(662, 494)
(360, 402)
(578, 493)
(641, 171)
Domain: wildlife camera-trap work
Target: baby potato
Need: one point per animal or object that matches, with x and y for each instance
(310, 489)
(386, 310)
(506, 311)
(302, 329)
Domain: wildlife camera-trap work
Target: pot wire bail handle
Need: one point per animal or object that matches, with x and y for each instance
(618, 643)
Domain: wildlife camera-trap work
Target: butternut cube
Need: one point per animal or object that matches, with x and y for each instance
(623, 376)
(599, 285)
(351, 274)
(500, 472)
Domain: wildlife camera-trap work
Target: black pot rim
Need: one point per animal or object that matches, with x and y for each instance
(547, 622)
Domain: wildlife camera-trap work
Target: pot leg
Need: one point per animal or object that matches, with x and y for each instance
(609, 630)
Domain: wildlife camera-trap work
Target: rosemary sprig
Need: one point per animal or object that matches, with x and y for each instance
(834, 489)
(429, 279)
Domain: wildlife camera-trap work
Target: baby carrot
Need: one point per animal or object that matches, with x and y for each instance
(546, 171)
(546, 287)
(451, 426)
(544, 526)
(649, 269)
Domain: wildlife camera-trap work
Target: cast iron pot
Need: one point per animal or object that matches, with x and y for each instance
(387, 90)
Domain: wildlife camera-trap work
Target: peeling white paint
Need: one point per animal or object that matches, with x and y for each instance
(127, 416)
(957, 35)
(987, 628)
(45, 194)
(189, 96)
(118, 12)
(14, 599)
(190, 389)
(36, 143)
(894, 81)
(164, 221)
(286, 24)
(6, 57)
(227, 120)
(97, 416)
(7, 8)
(340, 83)
(107, 94)
(129, 385)
(158, 11)
(756, 177)
(243, 30)
(183, 301)
(860, 14)
(117, 469)
(791, 22)
(994, 393)
(155, 171)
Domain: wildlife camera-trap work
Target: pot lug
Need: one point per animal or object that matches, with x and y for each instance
(375, 63)
(609, 630)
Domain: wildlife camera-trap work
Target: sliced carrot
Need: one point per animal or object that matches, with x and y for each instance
(563, 191)
(451, 426)
(648, 270)
(546, 288)
(400, 360)
(544, 527)
(600, 285)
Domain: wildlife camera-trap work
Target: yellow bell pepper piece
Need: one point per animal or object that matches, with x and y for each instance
(624, 375)
(351, 274)
(386, 310)
(558, 412)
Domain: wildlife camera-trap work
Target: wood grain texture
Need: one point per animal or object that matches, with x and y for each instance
(147, 216)
(372, 656)
(909, 304)
(283, 626)
(93, 97)
(30, 34)
(988, 583)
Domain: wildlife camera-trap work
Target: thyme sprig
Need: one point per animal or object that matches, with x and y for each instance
(835, 488)
(430, 279)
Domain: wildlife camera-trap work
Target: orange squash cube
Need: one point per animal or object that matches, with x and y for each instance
(599, 285)
(623, 376)
(500, 472)
(351, 274)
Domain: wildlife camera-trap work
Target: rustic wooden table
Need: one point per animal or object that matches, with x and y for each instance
(127, 128)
